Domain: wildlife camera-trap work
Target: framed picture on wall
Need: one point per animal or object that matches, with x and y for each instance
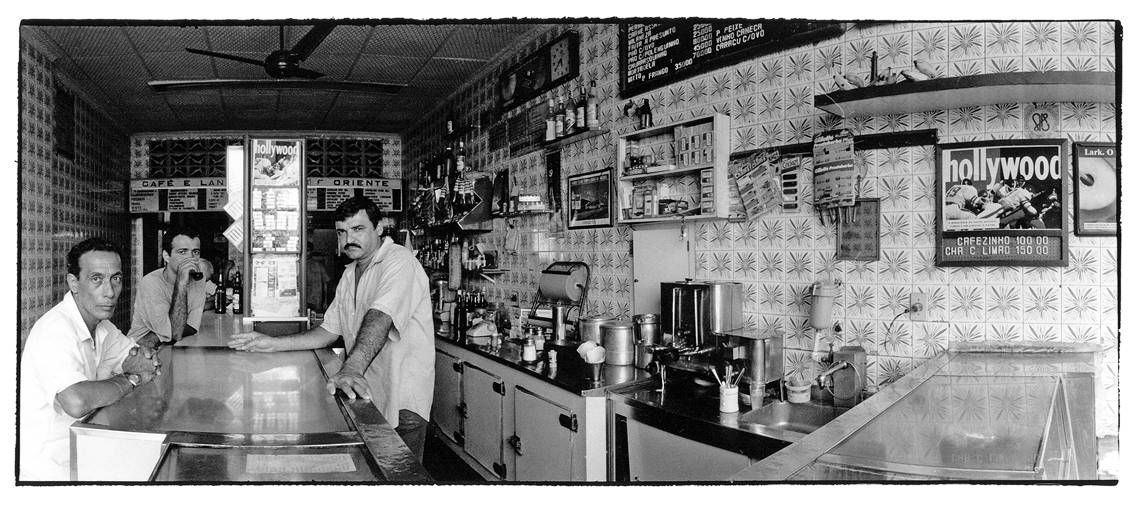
(1001, 203)
(589, 199)
(1096, 189)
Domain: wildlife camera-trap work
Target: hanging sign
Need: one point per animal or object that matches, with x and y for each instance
(1001, 203)
(326, 193)
(179, 194)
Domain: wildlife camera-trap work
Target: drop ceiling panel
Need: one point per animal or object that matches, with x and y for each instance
(195, 99)
(229, 69)
(178, 65)
(89, 41)
(345, 40)
(236, 38)
(407, 40)
(477, 41)
(333, 66)
(241, 99)
(112, 68)
(305, 100)
(156, 39)
(387, 69)
(456, 71)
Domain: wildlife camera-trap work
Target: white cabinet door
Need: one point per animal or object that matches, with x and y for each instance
(659, 255)
(656, 455)
(445, 404)
(541, 442)
(483, 420)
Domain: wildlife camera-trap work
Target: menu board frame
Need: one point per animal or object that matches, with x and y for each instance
(818, 31)
(995, 246)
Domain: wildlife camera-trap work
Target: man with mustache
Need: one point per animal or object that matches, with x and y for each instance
(76, 361)
(382, 309)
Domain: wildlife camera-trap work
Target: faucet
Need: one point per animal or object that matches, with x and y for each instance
(836, 367)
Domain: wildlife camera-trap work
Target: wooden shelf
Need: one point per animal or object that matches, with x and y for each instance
(580, 136)
(670, 172)
(664, 129)
(519, 214)
(969, 91)
(664, 219)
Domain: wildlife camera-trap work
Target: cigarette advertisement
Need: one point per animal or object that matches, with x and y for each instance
(1096, 188)
(276, 162)
(1001, 203)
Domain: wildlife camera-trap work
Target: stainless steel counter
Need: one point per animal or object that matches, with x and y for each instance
(226, 415)
(1021, 412)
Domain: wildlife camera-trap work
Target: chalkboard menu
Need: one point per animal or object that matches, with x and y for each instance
(655, 54)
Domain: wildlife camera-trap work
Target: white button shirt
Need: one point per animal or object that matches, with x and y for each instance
(402, 376)
(59, 353)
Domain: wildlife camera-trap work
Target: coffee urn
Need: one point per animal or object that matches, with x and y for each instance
(691, 311)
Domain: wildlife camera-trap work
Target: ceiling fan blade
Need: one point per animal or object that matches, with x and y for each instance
(276, 84)
(306, 73)
(242, 59)
(311, 40)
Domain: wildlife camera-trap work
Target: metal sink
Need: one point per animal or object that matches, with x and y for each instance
(795, 418)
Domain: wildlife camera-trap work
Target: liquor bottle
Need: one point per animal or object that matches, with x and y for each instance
(592, 107)
(569, 115)
(220, 294)
(550, 118)
(560, 119)
(580, 110)
(461, 158)
(237, 305)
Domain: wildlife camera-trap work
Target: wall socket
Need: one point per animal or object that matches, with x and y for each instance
(918, 306)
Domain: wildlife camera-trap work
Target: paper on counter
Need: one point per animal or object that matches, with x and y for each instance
(298, 464)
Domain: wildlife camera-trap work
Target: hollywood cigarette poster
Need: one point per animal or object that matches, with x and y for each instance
(1096, 189)
(276, 162)
(1002, 203)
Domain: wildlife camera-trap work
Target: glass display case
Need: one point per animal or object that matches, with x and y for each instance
(276, 240)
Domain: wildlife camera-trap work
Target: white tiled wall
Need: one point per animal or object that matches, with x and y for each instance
(778, 256)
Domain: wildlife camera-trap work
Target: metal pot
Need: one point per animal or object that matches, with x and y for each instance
(617, 339)
(645, 353)
(647, 328)
(590, 328)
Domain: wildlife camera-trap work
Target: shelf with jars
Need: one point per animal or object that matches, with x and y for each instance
(674, 172)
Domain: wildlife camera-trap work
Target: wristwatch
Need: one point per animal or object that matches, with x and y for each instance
(135, 379)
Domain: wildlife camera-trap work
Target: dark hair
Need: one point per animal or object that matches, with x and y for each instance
(967, 181)
(350, 207)
(92, 244)
(175, 231)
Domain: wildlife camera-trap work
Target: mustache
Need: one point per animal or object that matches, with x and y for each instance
(346, 246)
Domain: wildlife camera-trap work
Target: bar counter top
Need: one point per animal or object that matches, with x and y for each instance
(226, 408)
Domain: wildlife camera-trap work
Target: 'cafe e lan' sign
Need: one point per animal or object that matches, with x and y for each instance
(180, 194)
(1002, 203)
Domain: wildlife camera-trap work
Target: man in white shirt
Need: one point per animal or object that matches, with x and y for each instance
(170, 301)
(382, 309)
(76, 361)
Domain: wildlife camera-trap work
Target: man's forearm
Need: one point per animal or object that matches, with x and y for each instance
(86, 396)
(371, 338)
(308, 340)
(178, 311)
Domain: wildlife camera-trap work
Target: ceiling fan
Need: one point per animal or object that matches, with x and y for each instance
(283, 66)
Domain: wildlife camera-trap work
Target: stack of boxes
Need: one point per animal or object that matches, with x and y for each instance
(694, 144)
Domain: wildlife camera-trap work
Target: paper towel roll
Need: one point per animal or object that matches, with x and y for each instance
(555, 286)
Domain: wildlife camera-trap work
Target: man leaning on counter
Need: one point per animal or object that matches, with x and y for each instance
(170, 301)
(75, 361)
(383, 311)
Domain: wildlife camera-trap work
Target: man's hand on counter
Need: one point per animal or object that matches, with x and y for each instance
(143, 361)
(351, 383)
(252, 341)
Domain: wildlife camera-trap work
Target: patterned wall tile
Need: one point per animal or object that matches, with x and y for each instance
(770, 101)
